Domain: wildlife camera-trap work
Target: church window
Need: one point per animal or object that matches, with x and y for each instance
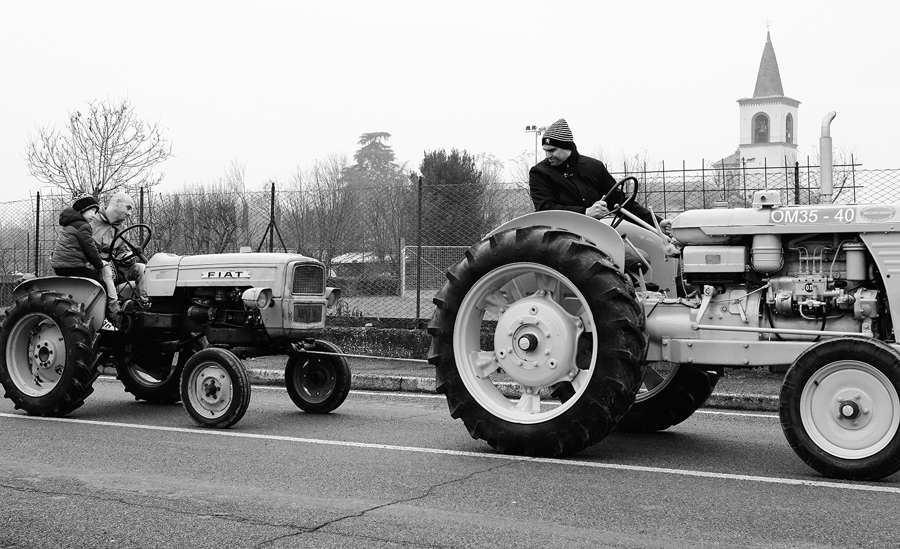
(761, 128)
(789, 129)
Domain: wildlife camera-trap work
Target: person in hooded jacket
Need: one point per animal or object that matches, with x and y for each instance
(75, 252)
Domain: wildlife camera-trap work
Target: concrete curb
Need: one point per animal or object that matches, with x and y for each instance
(375, 382)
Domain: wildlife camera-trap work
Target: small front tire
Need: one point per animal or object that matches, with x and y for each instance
(840, 408)
(316, 383)
(215, 388)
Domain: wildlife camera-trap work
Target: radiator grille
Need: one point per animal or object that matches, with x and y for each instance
(309, 280)
(309, 314)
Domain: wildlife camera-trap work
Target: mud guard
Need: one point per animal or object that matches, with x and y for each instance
(604, 237)
(83, 290)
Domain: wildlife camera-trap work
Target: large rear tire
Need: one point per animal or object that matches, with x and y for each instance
(47, 349)
(215, 388)
(155, 376)
(840, 408)
(316, 383)
(669, 394)
(567, 325)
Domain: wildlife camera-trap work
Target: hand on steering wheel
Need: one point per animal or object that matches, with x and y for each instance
(616, 211)
(137, 250)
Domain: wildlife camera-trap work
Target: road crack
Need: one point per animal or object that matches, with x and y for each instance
(401, 501)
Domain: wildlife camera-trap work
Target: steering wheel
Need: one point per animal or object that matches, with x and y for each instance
(136, 250)
(616, 212)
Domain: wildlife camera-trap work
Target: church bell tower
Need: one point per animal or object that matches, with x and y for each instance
(769, 122)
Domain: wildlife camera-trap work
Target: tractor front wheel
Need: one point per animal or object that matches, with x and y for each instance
(215, 388)
(840, 408)
(318, 383)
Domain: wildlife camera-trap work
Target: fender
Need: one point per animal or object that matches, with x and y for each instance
(82, 290)
(605, 238)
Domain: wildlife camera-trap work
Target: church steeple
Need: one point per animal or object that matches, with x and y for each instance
(768, 80)
(769, 122)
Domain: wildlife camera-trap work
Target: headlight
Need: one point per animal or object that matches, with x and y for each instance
(332, 296)
(257, 297)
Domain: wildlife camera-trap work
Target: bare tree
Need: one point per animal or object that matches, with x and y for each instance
(320, 210)
(204, 218)
(101, 151)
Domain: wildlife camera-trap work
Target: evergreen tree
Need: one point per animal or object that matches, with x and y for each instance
(451, 199)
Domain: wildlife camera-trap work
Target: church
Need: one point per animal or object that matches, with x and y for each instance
(768, 121)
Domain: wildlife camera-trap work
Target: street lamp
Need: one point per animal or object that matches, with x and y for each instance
(537, 139)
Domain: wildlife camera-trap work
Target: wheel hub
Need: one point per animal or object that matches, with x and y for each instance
(854, 408)
(535, 341)
(48, 359)
(213, 389)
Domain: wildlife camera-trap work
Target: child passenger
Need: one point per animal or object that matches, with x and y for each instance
(75, 252)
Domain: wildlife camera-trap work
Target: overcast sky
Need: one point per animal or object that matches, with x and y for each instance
(278, 85)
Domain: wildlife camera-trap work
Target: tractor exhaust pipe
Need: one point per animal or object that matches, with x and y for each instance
(826, 161)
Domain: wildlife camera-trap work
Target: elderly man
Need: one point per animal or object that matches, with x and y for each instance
(106, 225)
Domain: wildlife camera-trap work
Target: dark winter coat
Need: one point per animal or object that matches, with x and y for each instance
(575, 185)
(75, 245)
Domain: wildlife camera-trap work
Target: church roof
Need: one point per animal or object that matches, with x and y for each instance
(768, 80)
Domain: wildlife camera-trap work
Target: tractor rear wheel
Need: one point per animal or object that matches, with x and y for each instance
(529, 314)
(155, 376)
(47, 353)
(840, 408)
(669, 394)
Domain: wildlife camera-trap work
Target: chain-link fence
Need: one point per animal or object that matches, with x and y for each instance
(388, 248)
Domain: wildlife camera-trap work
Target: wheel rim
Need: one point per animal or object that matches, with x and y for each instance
(211, 390)
(36, 354)
(316, 381)
(544, 341)
(850, 409)
(658, 376)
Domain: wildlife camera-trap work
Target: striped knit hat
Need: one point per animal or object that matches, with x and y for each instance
(559, 135)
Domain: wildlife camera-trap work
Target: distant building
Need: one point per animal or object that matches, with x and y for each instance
(769, 122)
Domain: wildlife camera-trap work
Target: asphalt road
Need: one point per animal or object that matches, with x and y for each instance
(394, 470)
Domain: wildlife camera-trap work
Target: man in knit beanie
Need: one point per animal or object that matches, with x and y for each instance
(568, 180)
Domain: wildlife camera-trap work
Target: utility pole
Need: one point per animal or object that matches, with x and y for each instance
(537, 140)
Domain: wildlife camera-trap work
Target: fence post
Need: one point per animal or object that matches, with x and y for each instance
(724, 184)
(853, 176)
(37, 233)
(703, 181)
(272, 219)
(419, 255)
(797, 183)
(808, 182)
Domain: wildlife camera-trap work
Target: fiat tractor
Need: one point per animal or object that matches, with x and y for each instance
(184, 345)
(544, 343)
